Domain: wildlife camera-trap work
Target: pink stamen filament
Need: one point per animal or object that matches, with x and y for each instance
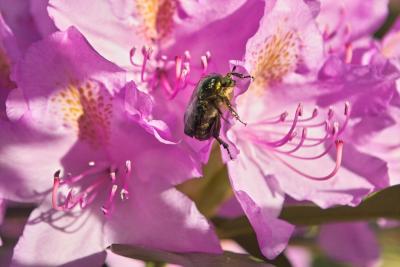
(106, 208)
(338, 162)
(288, 136)
(56, 185)
(88, 195)
(158, 69)
(348, 53)
(331, 129)
(124, 194)
(146, 56)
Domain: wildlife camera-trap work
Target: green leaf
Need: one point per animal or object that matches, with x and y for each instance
(188, 259)
(384, 204)
(213, 189)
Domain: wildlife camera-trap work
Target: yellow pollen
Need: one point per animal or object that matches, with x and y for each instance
(86, 108)
(277, 57)
(156, 18)
(5, 70)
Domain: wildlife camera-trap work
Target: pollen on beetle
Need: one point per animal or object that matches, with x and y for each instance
(85, 107)
(278, 56)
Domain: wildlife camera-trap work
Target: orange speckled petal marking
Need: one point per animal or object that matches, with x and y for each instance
(87, 108)
(5, 70)
(156, 18)
(277, 57)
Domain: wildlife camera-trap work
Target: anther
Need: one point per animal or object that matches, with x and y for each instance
(56, 185)
(283, 116)
(299, 109)
(204, 63)
(330, 113)
(315, 112)
(347, 108)
(187, 55)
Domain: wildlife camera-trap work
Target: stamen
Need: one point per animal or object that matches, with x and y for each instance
(91, 189)
(146, 56)
(330, 113)
(178, 67)
(56, 185)
(204, 63)
(106, 208)
(300, 144)
(330, 126)
(348, 53)
(339, 155)
(187, 55)
(131, 57)
(287, 137)
(113, 174)
(124, 194)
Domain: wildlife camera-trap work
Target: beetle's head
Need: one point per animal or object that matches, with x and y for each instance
(227, 81)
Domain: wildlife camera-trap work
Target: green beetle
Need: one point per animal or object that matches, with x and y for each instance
(204, 112)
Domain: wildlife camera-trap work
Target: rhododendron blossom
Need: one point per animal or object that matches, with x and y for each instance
(93, 96)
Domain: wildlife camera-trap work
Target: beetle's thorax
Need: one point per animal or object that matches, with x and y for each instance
(227, 92)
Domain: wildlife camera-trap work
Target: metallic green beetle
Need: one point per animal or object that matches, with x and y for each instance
(204, 112)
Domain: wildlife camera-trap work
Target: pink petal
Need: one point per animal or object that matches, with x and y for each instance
(262, 200)
(156, 216)
(53, 238)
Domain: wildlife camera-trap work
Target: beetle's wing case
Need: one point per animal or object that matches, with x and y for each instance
(194, 114)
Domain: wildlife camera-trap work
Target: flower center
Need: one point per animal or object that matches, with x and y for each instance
(5, 70)
(87, 108)
(157, 72)
(156, 18)
(278, 57)
(302, 137)
(91, 183)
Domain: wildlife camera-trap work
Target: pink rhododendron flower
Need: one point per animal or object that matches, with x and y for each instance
(96, 129)
(288, 144)
(171, 62)
(28, 20)
(92, 127)
(127, 24)
(377, 133)
(343, 22)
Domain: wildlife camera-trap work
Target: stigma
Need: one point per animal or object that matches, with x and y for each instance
(99, 182)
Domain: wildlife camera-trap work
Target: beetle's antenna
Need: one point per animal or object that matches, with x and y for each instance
(241, 76)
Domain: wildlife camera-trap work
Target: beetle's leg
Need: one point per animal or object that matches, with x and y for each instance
(225, 146)
(220, 113)
(233, 112)
(215, 128)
